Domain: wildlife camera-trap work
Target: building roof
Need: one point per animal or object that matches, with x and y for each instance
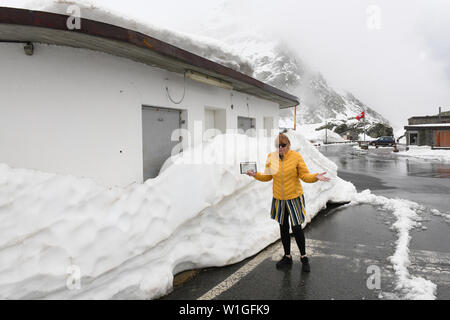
(437, 117)
(428, 126)
(51, 28)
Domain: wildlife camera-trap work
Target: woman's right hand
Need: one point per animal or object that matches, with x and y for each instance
(251, 173)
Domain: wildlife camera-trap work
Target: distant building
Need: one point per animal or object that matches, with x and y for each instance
(350, 135)
(429, 130)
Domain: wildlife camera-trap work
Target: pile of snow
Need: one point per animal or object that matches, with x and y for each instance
(366, 137)
(407, 214)
(69, 238)
(427, 153)
(311, 134)
(446, 216)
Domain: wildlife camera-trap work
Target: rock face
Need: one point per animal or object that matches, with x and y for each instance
(379, 130)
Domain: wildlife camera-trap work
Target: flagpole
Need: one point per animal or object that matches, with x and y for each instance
(364, 124)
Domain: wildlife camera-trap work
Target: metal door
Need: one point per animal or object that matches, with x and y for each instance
(157, 127)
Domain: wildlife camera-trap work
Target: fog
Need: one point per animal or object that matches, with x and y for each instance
(393, 55)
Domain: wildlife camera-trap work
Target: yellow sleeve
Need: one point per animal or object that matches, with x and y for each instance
(303, 172)
(266, 176)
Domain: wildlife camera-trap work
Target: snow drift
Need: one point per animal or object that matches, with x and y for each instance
(129, 242)
(407, 214)
(427, 153)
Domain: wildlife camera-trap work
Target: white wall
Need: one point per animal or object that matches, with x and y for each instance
(76, 111)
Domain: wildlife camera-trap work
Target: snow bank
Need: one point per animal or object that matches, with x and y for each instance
(362, 137)
(406, 212)
(311, 134)
(445, 216)
(425, 152)
(63, 237)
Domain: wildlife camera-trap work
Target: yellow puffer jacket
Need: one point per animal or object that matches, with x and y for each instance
(286, 174)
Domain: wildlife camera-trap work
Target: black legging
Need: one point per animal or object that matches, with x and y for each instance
(286, 237)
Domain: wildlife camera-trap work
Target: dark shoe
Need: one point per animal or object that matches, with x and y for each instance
(285, 262)
(305, 264)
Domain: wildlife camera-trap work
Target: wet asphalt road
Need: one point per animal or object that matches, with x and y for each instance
(343, 243)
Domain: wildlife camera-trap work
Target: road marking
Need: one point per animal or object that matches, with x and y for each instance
(239, 274)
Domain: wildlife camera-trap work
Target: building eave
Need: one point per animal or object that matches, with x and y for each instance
(418, 127)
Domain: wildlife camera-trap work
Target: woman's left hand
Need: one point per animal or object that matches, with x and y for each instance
(251, 173)
(321, 177)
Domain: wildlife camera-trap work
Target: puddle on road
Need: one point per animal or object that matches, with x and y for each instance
(383, 160)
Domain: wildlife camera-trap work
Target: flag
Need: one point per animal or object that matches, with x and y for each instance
(360, 116)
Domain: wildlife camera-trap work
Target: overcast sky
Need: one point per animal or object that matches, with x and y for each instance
(392, 55)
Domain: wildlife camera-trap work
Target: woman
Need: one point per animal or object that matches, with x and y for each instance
(286, 167)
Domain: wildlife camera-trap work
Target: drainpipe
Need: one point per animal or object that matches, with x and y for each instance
(295, 118)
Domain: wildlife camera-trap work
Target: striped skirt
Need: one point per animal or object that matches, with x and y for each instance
(295, 207)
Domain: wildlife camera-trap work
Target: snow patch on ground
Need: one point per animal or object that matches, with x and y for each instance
(325, 135)
(407, 214)
(425, 152)
(311, 134)
(446, 216)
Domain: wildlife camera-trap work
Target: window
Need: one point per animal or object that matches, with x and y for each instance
(247, 126)
(215, 122)
(413, 138)
(268, 125)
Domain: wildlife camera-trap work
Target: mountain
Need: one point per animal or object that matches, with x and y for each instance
(273, 62)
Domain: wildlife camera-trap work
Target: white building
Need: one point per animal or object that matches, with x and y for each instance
(102, 101)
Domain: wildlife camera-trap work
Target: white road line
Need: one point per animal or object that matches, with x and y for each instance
(239, 274)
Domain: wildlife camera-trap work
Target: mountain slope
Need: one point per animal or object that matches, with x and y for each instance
(276, 64)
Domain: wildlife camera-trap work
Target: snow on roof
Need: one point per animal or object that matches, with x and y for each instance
(208, 48)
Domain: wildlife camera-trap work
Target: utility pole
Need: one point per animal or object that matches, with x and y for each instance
(295, 118)
(326, 131)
